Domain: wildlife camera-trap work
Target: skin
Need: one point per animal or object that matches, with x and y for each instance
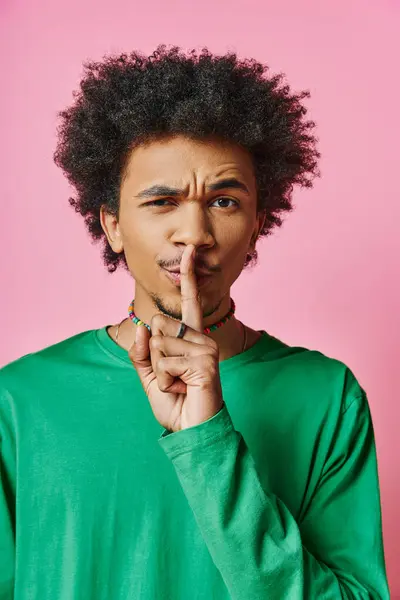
(180, 376)
(222, 225)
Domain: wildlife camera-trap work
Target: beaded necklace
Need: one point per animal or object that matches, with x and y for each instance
(217, 325)
(213, 327)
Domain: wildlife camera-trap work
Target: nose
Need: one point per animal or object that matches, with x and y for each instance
(193, 227)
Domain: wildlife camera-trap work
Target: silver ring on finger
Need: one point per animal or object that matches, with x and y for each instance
(182, 330)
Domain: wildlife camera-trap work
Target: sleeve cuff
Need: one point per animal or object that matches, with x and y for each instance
(184, 440)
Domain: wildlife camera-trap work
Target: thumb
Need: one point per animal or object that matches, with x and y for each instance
(139, 352)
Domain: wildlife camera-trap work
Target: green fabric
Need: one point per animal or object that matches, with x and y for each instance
(275, 497)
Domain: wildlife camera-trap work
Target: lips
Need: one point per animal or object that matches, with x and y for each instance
(175, 276)
(200, 272)
(197, 272)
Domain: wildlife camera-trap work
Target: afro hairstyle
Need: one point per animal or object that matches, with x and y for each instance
(128, 99)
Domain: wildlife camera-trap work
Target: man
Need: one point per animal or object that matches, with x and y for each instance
(180, 454)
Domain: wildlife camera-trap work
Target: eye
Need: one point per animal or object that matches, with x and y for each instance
(225, 199)
(156, 202)
(160, 202)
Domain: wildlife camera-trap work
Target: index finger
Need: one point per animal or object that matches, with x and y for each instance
(192, 313)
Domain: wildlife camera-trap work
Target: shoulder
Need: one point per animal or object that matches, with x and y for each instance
(36, 364)
(312, 376)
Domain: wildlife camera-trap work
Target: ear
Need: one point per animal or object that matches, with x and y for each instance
(111, 228)
(260, 223)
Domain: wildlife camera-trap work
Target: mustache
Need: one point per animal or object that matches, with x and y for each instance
(199, 264)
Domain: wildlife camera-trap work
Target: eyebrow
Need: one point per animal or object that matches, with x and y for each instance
(163, 190)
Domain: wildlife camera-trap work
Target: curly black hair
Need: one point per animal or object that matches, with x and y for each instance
(129, 99)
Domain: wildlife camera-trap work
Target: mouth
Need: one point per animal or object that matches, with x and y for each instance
(202, 277)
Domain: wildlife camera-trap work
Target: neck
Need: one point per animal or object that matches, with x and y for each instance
(229, 337)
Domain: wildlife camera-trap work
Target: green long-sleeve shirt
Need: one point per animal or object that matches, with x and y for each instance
(275, 497)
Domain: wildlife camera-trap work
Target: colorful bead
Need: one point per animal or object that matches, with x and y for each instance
(208, 329)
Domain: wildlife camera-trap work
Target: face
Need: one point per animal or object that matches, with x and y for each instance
(177, 192)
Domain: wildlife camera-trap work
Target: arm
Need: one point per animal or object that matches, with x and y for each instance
(7, 513)
(261, 551)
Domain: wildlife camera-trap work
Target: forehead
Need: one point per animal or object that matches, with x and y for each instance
(176, 158)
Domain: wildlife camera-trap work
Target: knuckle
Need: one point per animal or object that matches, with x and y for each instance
(163, 386)
(156, 342)
(212, 346)
(157, 321)
(160, 366)
(208, 362)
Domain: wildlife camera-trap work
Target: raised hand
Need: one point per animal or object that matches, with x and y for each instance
(180, 376)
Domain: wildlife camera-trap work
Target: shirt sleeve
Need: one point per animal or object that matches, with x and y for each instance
(7, 508)
(255, 542)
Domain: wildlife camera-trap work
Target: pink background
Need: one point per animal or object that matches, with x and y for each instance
(329, 279)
